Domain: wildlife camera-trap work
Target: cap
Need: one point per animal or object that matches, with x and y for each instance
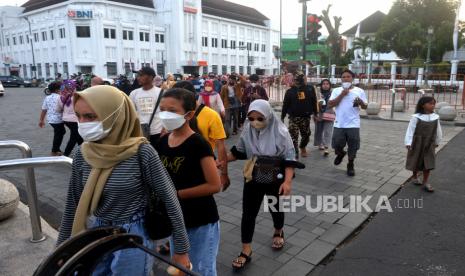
(147, 71)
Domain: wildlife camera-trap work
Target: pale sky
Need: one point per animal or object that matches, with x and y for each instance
(352, 11)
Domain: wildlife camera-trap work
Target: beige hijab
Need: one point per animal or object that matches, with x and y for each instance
(122, 142)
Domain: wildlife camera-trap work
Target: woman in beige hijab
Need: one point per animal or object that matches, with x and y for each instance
(112, 171)
(170, 81)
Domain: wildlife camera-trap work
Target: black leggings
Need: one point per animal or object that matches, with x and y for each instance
(74, 137)
(58, 133)
(251, 203)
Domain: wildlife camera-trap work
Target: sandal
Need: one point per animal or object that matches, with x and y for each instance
(238, 264)
(278, 245)
(326, 153)
(429, 188)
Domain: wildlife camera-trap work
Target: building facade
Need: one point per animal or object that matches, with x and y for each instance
(110, 38)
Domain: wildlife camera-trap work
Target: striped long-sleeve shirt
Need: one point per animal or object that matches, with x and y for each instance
(124, 193)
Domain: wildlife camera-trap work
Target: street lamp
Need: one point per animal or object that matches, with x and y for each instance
(428, 55)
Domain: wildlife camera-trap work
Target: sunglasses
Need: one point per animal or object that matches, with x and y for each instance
(260, 119)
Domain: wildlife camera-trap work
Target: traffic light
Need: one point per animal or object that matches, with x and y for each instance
(313, 27)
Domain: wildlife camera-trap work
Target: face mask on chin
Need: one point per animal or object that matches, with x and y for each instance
(94, 131)
(171, 121)
(208, 89)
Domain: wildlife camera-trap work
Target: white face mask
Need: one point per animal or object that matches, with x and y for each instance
(93, 131)
(253, 84)
(258, 125)
(171, 120)
(346, 85)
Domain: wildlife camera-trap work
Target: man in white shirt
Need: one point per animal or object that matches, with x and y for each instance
(347, 101)
(145, 99)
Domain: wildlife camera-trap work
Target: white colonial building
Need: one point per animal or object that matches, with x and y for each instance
(111, 37)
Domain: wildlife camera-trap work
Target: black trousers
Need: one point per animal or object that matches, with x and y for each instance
(74, 137)
(58, 133)
(349, 137)
(252, 200)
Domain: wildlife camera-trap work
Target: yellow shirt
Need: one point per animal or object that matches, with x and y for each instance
(210, 126)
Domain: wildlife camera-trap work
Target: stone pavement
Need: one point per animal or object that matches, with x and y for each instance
(310, 237)
(413, 241)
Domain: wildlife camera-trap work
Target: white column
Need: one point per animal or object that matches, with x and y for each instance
(318, 71)
(351, 66)
(453, 70)
(421, 73)
(333, 70)
(393, 71)
(307, 69)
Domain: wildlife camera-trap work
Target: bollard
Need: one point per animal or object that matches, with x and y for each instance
(393, 102)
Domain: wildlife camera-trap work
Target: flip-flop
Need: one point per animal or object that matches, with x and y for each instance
(278, 245)
(242, 264)
(429, 188)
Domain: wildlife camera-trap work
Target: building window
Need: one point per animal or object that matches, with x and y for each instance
(205, 70)
(224, 43)
(112, 69)
(21, 40)
(233, 44)
(36, 37)
(128, 35)
(159, 38)
(205, 41)
(7, 41)
(44, 36)
(55, 68)
(39, 70)
(263, 48)
(47, 70)
(241, 69)
(144, 36)
(62, 33)
(215, 69)
(27, 39)
(109, 33)
(249, 70)
(14, 40)
(224, 69)
(233, 69)
(256, 47)
(65, 68)
(249, 46)
(52, 35)
(215, 42)
(83, 31)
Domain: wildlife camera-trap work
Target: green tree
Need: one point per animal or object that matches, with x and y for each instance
(404, 29)
(334, 37)
(362, 43)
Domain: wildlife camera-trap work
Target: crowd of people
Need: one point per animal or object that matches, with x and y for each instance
(167, 138)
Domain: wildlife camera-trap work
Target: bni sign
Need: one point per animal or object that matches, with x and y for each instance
(80, 14)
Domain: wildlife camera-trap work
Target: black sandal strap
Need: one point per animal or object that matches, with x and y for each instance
(246, 257)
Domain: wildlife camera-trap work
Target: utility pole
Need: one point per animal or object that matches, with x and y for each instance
(34, 69)
(304, 33)
(280, 35)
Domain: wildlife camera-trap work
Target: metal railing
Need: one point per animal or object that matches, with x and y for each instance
(28, 164)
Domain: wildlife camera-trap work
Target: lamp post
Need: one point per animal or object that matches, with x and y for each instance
(34, 69)
(428, 54)
(329, 56)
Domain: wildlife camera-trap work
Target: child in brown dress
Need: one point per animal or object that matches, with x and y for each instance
(423, 136)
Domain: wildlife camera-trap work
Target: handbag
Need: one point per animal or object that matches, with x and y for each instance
(146, 127)
(331, 117)
(157, 223)
(268, 170)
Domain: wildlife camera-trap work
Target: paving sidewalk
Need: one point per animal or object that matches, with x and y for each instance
(310, 237)
(413, 241)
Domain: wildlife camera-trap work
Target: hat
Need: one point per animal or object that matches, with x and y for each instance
(147, 71)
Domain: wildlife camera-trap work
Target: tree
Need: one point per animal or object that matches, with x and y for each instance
(362, 43)
(404, 29)
(334, 37)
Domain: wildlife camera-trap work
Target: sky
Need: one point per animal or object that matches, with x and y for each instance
(351, 12)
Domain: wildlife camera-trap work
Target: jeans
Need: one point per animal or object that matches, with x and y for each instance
(231, 120)
(58, 133)
(126, 261)
(252, 201)
(204, 241)
(74, 137)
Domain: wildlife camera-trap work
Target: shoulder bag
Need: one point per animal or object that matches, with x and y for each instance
(146, 127)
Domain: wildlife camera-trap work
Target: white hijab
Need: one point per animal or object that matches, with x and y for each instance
(273, 140)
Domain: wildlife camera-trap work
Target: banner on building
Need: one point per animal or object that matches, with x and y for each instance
(190, 6)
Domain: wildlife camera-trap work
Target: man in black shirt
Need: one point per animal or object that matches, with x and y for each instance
(300, 102)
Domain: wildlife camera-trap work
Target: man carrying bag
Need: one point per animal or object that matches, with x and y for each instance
(146, 100)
